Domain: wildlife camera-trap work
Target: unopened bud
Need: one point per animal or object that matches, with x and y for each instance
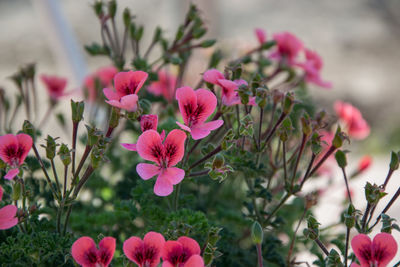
(257, 234)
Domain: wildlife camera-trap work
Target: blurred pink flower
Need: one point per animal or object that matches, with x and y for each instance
(184, 252)
(261, 35)
(86, 254)
(105, 76)
(147, 122)
(1, 193)
(146, 252)
(55, 86)
(312, 68)
(165, 154)
(377, 253)
(288, 47)
(164, 86)
(196, 106)
(364, 163)
(8, 217)
(13, 151)
(355, 124)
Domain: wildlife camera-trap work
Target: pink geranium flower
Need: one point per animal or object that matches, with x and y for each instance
(288, 47)
(355, 125)
(13, 151)
(261, 35)
(86, 254)
(146, 252)
(165, 85)
(230, 95)
(196, 107)
(127, 85)
(147, 122)
(377, 253)
(8, 214)
(55, 86)
(165, 154)
(105, 75)
(185, 252)
(312, 68)
(364, 163)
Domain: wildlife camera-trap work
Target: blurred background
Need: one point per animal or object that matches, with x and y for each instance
(359, 41)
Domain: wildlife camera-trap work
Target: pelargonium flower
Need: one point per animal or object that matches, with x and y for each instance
(288, 47)
(147, 122)
(127, 85)
(146, 252)
(377, 253)
(230, 94)
(185, 252)
(55, 86)
(86, 254)
(196, 106)
(165, 85)
(312, 68)
(261, 35)
(165, 154)
(364, 163)
(355, 125)
(13, 151)
(105, 75)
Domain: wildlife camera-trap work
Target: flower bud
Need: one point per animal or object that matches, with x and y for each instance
(337, 141)
(28, 128)
(288, 103)
(114, 119)
(257, 233)
(98, 8)
(373, 193)
(77, 110)
(93, 135)
(16, 194)
(306, 124)
(341, 160)
(50, 147)
(64, 154)
(334, 259)
(127, 17)
(218, 162)
(349, 217)
(112, 8)
(394, 161)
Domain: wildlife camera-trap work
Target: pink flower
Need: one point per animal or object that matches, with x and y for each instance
(105, 76)
(261, 35)
(165, 154)
(185, 252)
(364, 163)
(8, 217)
(377, 253)
(55, 86)
(86, 254)
(312, 68)
(230, 95)
(13, 151)
(196, 107)
(288, 47)
(147, 122)
(165, 85)
(355, 124)
(144, 253)
(127, 85)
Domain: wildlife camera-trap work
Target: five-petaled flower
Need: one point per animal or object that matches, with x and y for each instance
(230, 94)
(13, 151)
(377, 253)
(355, 125)
(146, 252)
(166, 154)
(55, 86)
(127, 85)
(196, 106)
(288, 47)
(261, 35)
(104, 76)
(86, 254)
(147, 122)
(8, 214)
(312, 67)
(165, 85)
(185, 252)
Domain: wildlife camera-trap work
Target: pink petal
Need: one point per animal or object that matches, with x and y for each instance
(167, 264)
(81, 248)
(132, 246)
(24, 144)
(212, 125)
(175, 146)
(148, 142)
(106, 250)
(354, 265)
(163, 187)
(173, 175)
(189, 245)
(106, 74)
(171, 249)
(183, 127)
(111, 94)
(154, 241)
(162, 135)
(212, 76)
(203, 130)
(148, 122)
(229, 89)
(129, 82)
(240, 82)
(147, 171)
(131, 147)
(194, 261)
(129, 102)
(361, 245)
(261, 36)
(199, 133)
(187, 100)
(6, 141)
(1, 193)
(206, 103)
(385, 248)
(11, 174)
(8, 217)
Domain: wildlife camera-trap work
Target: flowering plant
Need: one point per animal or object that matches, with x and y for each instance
(235, 151)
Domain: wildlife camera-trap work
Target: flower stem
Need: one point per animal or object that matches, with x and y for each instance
(259, 255)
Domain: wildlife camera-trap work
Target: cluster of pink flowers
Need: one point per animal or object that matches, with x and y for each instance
(184, 252)
(8, 214)
(165, 85)
(55, 86)
(104, 75)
